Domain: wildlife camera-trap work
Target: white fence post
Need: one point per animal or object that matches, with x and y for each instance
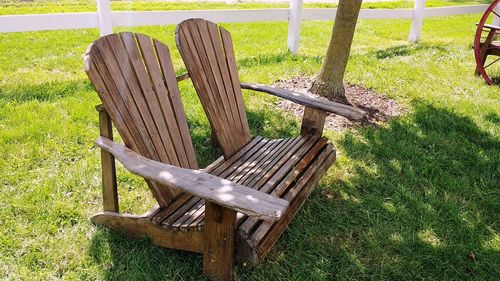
(105, 19)
(417, 21)
(104, 14)
(294, 25)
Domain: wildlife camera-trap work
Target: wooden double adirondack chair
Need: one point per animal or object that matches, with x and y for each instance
(240, 204)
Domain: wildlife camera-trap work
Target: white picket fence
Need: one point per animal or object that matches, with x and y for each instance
(105, 19)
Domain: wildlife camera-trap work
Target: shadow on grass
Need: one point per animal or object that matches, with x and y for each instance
(272, 59)
(206, 152)
(123, 258)
(418, 199)
(407, 50)
(270, 125)
(496, 80)
(493, 118)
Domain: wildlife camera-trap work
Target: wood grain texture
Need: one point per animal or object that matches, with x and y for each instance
(254, 246)
(140, 226)
(136, 83)
(253, 162)
(209, 59)
(182, 77)
(116, 103)
(273, 232)
(219, 241)
(262, 169)
(216, 168)
(108, 169)
(171, 208)
(227, 44)
(226, 193)
(287, 172)
(313, 121)
(276, 167)
(328, 106)
(175, 102)
(238, 203)
(294, 190)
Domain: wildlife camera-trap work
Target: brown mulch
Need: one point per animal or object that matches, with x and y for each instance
(379, 107)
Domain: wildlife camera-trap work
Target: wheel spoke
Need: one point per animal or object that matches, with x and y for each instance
(492, 63)
(485, 33)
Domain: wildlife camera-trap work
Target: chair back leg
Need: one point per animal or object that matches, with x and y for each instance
(313, 122)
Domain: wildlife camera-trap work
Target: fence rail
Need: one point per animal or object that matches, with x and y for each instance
(105, 19)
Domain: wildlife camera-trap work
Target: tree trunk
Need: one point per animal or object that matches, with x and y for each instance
(329, 81)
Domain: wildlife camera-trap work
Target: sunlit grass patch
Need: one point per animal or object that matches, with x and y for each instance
(407, 200)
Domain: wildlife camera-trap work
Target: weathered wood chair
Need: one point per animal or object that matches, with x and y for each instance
(285, 168)
(234, 203)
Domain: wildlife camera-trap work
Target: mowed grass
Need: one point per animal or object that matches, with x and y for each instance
(412, 199)
(12, 7)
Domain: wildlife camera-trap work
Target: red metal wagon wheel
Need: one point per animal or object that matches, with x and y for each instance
(486, 50)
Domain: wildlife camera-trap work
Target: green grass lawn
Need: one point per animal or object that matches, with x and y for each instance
(9, 7)
(408, 200)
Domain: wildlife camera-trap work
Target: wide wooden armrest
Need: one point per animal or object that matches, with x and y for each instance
(328, 106)
(198, 183)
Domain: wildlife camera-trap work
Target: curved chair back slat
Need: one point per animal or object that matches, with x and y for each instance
(135, 80)
(207, 52)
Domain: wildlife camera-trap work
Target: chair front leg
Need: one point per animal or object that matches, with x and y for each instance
(109, 186)
(220, 223)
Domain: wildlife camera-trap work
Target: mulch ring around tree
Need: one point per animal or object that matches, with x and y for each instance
(379, 107)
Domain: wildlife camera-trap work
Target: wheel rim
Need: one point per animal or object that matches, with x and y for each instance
(481, 67)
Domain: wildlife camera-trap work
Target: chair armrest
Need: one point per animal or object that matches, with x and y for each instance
(491, 26)
(325, 105)
(198, 183)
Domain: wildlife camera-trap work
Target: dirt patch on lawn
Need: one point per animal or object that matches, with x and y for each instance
(378, 106)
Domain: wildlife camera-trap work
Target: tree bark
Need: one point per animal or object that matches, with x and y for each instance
(329, 80)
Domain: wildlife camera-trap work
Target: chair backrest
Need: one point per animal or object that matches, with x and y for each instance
(135, 80)
(207, 51)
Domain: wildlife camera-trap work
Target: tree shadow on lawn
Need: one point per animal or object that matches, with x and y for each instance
(277, 58)
(419, 200)
(408, 50)
(123, 258)
(493, 118)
